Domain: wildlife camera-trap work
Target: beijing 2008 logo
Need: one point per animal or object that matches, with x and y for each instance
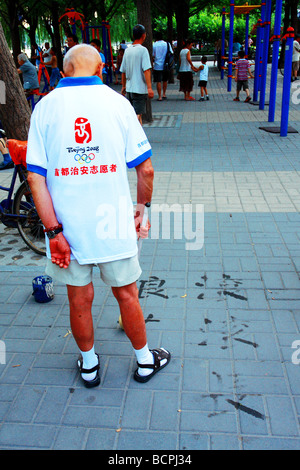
(83, 131)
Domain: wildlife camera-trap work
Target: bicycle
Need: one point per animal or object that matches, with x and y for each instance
(18, 210)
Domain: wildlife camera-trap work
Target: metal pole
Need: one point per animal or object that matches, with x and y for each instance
(223, 42)
(247, 36)
(257, 60)
(265, 55)
(286, 92)
(263, 17)
(230, 45)
(274, 73)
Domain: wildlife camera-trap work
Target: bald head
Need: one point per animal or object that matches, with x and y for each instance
(82, 61)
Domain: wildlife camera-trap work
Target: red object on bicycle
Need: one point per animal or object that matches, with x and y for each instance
(17, 150)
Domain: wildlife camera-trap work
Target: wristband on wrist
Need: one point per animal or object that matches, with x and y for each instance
(50, 229)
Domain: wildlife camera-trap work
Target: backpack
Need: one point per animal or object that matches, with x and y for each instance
(169, 60)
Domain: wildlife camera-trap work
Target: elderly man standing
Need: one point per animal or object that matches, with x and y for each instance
(77, 158)
(30, 78)
(136, 72)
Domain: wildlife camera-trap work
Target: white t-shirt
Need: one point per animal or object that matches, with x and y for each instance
(82, 138)
(159, 53)
(136, 61)
(296, 51)
(204, 73)
(48, 58)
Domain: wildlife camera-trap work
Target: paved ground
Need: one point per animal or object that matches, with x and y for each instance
(229, 312)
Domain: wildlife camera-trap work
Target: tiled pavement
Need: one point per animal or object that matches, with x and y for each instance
(229, 312)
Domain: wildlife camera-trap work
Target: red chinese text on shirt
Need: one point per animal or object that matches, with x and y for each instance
(85, 170)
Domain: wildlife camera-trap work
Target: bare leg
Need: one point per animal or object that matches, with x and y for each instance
(80, 300)
(132, 314)
(165, 84)
(158, 87)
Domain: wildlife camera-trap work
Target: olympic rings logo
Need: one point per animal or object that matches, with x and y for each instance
(84, 158)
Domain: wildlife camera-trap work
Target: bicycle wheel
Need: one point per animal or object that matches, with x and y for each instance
(29, 225)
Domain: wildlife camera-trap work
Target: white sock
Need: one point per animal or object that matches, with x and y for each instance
(90, 360)
(144, 356)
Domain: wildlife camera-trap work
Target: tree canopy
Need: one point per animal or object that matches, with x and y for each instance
(38, 20)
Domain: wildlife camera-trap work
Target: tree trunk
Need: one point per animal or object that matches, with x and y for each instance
(182, 20)
(144, 18)
(14, 29)
(294, 15)
(14, 110)
(56, 34)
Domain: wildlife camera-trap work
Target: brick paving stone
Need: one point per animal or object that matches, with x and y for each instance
(228, 311)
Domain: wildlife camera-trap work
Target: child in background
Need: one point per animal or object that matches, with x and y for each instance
(203, 78)
(242, 68)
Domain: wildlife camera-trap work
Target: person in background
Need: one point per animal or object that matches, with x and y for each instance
(96, 43)
(242, 69)
(55, 74)
(72, 40)
(47, 58)
(136, 72)
(186, 69)
(296, 58)
(118, 65)
(203, 79)
(7, 161)
(160, 76)
(29, 72)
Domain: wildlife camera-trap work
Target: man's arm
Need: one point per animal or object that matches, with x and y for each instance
(123, 91)
(59, 247)
(236, 73)
(147, 74)
(145, 177)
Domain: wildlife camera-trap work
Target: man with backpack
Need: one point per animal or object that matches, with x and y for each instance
(160, 68)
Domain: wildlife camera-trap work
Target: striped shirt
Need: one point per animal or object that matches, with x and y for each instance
(242, 66)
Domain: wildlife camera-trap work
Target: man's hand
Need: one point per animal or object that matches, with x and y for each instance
(123, 91)
(60, 251)
(150, 93)
(142, 232)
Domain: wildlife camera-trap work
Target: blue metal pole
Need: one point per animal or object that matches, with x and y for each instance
(230, 45)
(286, 92)
(263, 17)
(223, 42)
(247, 36)
(265, 54)
(257, 60)
(274, 73)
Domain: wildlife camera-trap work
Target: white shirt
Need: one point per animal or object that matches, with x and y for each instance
(296, 51)
(185, 66)
(136, 61)
(159, 53)
(204, 73)
(82, 137)
(48, 57)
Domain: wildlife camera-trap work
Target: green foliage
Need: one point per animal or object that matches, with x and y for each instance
(206, 26)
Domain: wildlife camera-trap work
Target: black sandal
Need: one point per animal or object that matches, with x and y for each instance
(90, 383)
(159, 355)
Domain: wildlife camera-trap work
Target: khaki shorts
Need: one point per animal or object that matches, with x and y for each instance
(114, 273)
